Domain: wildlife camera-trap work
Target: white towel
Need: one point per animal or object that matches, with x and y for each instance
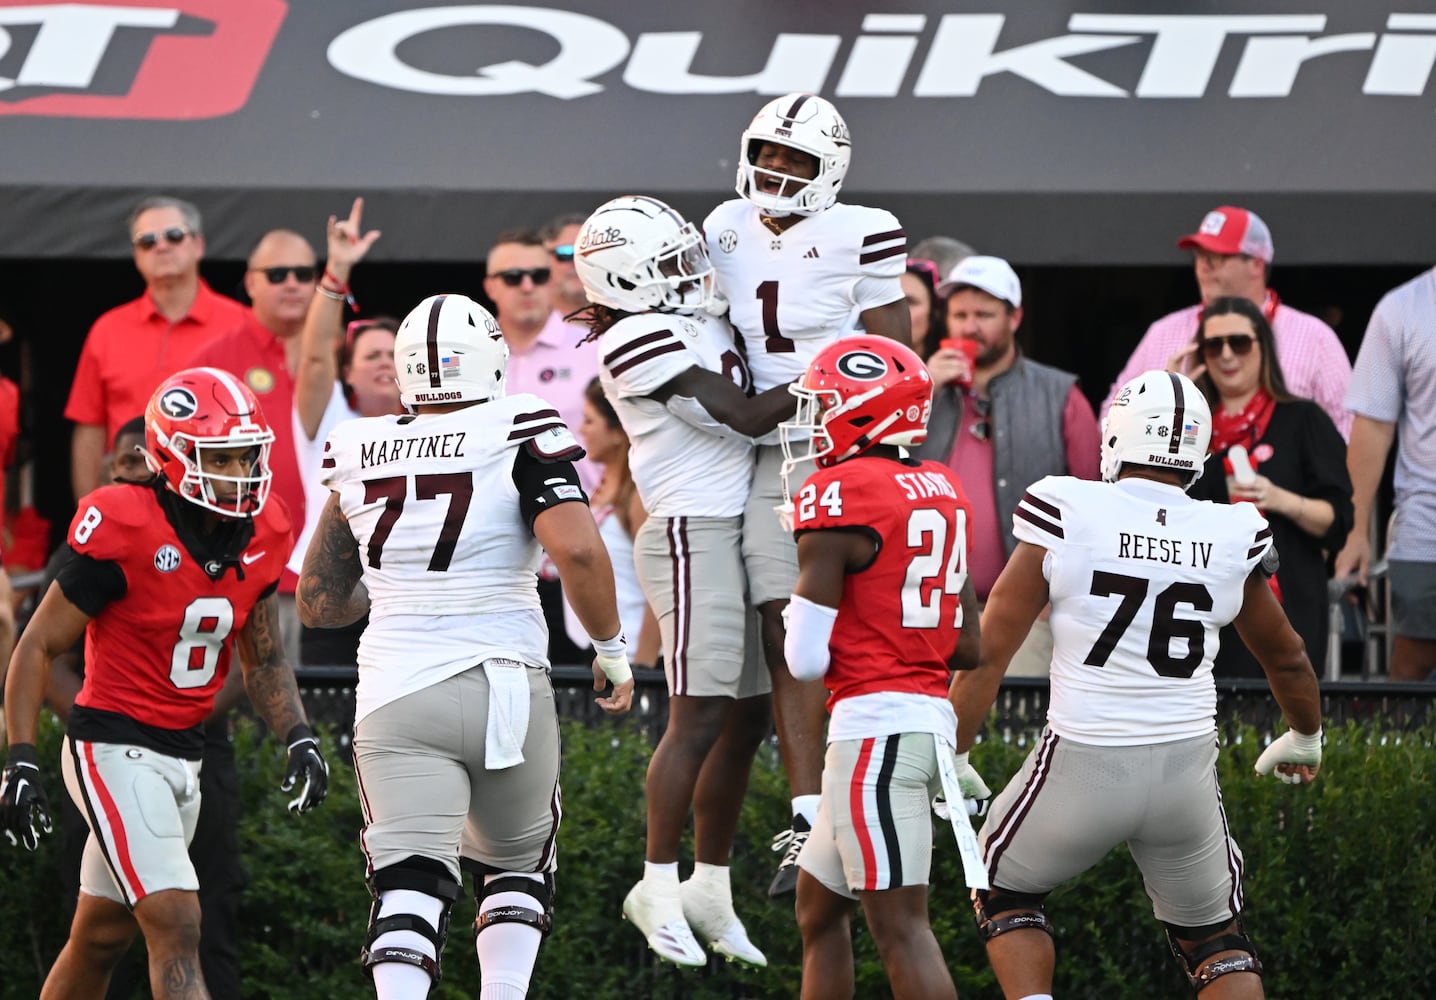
(508, 713)
(974, 869)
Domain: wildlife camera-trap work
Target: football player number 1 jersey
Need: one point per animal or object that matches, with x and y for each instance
(919, 516)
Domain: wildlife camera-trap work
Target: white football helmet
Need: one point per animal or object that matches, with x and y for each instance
(636, 254)
(800, 121)
(449, 349)
(1159, 419)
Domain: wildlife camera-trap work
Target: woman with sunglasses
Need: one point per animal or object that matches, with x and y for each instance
(1297, 461)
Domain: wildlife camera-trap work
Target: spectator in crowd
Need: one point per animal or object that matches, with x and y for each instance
(946, 252)
(166, 576)
(800, 269)
(919, 288)
(679, 386)
(366, 367)
(1276, 451)
(618, 509)
(1129, 751)
(857, 623)
(280, 279)
(559, 237)
(341, 373)
(1232, 254)
(1393, 389)
(215, 850)
(545, 359)
(133, 347)
(456, 740)
(1002, 421)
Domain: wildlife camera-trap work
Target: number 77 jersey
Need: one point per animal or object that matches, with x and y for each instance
(900, 616)
(1141, 578)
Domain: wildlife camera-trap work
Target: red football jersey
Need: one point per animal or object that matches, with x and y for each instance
(161, 653)
(900, 616)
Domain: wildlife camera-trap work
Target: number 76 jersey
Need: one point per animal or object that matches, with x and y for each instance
(1141, 578)
(900, 615)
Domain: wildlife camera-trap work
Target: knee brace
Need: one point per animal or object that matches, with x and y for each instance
(1210, 940)
(416, 874)
(999, 911)
(539, 916)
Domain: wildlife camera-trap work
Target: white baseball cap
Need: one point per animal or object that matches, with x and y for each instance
(992, 275)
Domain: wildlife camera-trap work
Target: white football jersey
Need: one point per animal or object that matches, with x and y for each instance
(683, 463)
(448, 556)
(792, 295)
(1142, 578)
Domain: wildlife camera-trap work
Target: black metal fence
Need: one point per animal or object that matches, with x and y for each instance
(1021, 706)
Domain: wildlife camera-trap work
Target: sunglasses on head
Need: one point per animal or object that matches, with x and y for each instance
(927, 267)
(514, 276)
(174, 235)
(563, 253)
(1240, 343)
(277, 275)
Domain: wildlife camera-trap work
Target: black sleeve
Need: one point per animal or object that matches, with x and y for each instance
(1323, 454)
(542, 484)
(91, 584)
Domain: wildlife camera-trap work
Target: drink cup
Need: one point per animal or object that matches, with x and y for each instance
(968, 349)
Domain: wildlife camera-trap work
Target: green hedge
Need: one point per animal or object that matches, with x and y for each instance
(1340, 884)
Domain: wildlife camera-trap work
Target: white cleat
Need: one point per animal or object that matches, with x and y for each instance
(713, 920)
(661, 921)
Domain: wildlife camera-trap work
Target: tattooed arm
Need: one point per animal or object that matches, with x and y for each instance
(267, 678)
(330, 591)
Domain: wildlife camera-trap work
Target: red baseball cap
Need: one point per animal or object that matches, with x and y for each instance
(1231, 230)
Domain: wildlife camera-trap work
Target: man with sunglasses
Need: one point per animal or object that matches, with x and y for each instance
(559, 237)
(280, 277)
(1232, 252)
(1002, 422)
(546, 359)
(133, 347)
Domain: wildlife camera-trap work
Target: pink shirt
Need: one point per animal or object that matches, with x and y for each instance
(971, 459)
(557, 368)
(1312, 359)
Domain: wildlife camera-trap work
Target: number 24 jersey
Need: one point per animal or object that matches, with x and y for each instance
(900, 616)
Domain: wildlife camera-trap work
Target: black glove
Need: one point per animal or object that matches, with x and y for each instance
(24, 812)
(305, 762)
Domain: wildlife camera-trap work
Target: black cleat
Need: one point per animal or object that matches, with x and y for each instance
(790, 842)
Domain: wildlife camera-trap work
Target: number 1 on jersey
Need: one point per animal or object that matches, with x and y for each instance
(773, 340)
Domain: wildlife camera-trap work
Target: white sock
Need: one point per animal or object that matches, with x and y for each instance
(400, 980)
(661, 875)
(507, 951)
(714, 880)
(806, 806)
(1038, 996)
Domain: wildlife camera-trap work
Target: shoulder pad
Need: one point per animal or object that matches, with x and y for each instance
(556, 444)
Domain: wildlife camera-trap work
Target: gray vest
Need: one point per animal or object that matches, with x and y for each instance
(1027, 404)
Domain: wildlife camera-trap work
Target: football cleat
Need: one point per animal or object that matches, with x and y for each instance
(659, 918)
(790, 842)
(712, 919)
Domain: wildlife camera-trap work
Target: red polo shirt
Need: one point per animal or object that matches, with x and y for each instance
(132, 349)
(254, 354)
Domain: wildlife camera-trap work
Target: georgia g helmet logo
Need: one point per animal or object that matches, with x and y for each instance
(865, 366)
(179, 403)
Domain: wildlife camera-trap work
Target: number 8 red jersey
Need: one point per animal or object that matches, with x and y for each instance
(160, 653)
(900, 616)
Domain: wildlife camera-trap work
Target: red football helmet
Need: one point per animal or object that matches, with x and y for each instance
(858, 392)
(201, 408)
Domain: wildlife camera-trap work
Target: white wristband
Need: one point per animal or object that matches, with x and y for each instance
(1305, 743)
(616, 646)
